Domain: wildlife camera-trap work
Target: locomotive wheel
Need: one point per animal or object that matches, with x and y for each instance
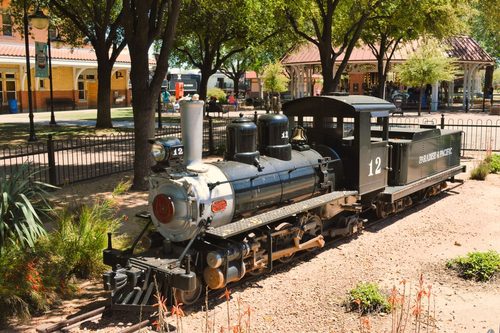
(189, 297)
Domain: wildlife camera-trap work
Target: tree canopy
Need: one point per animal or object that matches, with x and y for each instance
(275, 80)
(334, 27)
(397, 22)
(427, 65)
(213, 32)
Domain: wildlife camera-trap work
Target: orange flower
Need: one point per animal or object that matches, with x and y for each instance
(161, 303)
(227, 295)
(177, 310)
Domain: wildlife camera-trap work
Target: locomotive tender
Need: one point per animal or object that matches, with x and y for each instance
(285, 184)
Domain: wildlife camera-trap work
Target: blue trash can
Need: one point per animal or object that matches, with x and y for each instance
(12, 106)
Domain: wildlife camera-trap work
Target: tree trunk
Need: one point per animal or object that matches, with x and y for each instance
(143, 111)
(104, 95)
(236, 88)
(326, 71)
(205, 75)
(381, 78)
(144, 130)
(488, 78)
(420, 100)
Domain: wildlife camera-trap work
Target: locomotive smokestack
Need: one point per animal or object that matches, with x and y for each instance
(192, 133)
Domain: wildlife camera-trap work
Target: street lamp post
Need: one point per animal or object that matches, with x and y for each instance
(39, 21)
(52, 116)
(32, 136)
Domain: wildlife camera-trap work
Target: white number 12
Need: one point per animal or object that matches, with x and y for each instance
(378, 166)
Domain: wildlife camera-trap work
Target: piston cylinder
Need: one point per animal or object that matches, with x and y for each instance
(215, 277)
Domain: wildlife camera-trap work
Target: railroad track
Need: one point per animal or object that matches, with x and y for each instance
(68, 324)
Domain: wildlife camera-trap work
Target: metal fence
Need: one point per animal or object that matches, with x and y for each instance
(66, 161)
(479, 134)
(60, 162)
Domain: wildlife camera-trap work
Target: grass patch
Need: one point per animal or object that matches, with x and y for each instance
(13, 134)
(122, 187)
(367, 298)
(478, 266)
(491, 164)
(480, 172)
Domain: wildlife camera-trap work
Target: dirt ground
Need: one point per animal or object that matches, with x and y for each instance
(308, 296)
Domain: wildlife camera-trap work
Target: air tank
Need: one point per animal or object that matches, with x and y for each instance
(241, 141)
(273, 136)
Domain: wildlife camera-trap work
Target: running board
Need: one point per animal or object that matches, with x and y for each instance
(393, 193)
(260, 220)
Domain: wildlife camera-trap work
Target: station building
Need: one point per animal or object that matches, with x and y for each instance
(360, 76)
(74, 72)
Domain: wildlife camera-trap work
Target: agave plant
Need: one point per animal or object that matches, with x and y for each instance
(23, 203)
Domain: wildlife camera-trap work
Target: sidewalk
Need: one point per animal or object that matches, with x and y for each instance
(87, 117)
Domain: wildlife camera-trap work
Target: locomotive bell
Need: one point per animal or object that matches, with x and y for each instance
(299, 135)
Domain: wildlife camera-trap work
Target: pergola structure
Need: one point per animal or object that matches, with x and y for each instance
(304, 66)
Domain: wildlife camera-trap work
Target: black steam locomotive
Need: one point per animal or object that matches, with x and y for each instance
(285, 184)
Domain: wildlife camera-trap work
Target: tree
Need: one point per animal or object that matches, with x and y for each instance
(219, 33)
(329, 23)
(275, 82)
(485, 28)
(99, 21)
(235, 68)
(485, 25)
(427, 65)
(274, 78)
(223, 30)
(144, 22)
(398, 21)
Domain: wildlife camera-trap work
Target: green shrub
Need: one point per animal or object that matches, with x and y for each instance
(217, 93)
(480, 172)
(82, 235)
(480, 266)
(367, 297)
(494, 163)
(33, 280)
(23, 204)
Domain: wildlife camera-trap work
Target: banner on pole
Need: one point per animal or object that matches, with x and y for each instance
(41, 64)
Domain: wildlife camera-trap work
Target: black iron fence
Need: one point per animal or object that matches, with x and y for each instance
(479, 134)
(60, 162)
(66, 161)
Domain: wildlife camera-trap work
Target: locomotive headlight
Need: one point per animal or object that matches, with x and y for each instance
(167, 152)
(159, 152)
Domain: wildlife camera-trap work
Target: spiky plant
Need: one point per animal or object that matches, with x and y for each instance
(23, 203)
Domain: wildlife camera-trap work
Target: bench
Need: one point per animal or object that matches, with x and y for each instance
(61, 103)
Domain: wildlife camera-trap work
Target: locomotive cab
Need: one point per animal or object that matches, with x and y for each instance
(341, 125)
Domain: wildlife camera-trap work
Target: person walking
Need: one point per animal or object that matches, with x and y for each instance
(233, 101)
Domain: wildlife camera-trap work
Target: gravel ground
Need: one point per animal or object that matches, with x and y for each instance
(308, 295)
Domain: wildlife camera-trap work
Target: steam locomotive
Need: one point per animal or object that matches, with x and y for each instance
(285, 184)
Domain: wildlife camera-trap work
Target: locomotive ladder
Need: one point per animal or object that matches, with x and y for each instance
(247, 224)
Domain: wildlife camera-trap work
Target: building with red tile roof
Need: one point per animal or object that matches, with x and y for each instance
(74, 72)
(304, 66)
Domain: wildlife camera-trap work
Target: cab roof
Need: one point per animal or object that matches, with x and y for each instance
(338, 106)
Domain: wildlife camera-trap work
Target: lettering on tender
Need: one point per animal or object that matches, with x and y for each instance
(434, 155)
